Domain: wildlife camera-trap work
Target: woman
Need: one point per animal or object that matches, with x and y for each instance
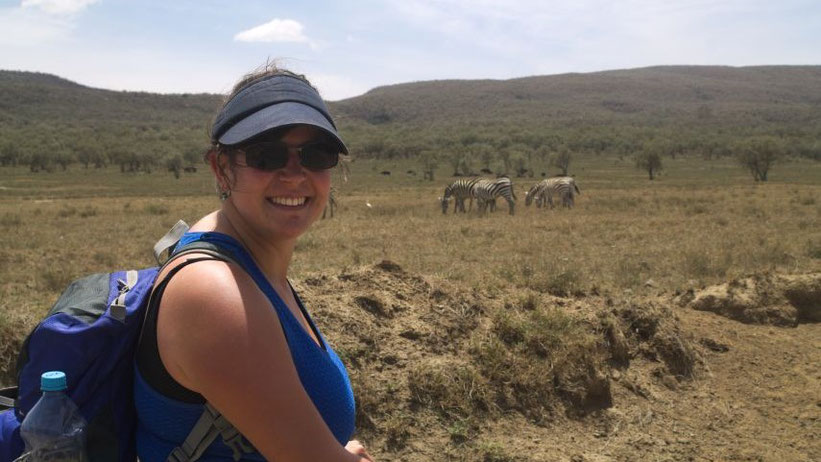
(228, 354)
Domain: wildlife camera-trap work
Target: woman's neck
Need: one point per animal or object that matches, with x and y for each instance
(271, 256)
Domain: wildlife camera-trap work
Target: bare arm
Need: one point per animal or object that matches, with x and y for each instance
(219, 335)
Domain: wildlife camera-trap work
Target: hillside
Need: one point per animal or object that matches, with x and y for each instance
(27, 98)
(698, 107)
(676, 92)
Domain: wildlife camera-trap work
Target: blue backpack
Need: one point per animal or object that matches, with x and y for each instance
(91, 334)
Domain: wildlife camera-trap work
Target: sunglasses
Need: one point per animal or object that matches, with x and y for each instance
(270, 156)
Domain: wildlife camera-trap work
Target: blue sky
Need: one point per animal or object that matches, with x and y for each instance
(349, 47)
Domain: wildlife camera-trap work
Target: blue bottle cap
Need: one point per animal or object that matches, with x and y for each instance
(53, 381)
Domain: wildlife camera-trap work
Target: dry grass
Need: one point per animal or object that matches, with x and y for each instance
(701, 223)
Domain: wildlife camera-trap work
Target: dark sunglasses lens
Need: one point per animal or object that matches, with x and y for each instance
(266, 156)
(319, 156)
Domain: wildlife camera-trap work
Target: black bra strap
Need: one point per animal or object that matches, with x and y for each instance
(148, 354)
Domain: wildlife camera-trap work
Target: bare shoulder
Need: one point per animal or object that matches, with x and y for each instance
(210, 313)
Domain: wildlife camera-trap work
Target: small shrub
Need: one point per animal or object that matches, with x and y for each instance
(529, 302)
(754, 212)
(104, 258)
(67, 212)
(10, 220)
(696, 209)
(491, 451)
(156, 209)
(460, 430)
(55, 279)
(453, 390)
(628, 273)
(88, 211)
(700, 264)
(814, 250)
(563, 283)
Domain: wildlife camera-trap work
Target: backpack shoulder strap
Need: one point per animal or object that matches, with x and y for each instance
(7, 397)
(210, 425)
(169, 240)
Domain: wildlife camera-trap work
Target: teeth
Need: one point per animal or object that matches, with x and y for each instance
(289, 201)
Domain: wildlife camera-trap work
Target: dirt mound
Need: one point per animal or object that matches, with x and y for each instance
(782, 300)
(461, 360)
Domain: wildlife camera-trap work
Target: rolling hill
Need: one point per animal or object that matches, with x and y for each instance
(611, 108)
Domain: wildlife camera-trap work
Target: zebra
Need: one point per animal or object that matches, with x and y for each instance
(535, 191)
(563, 187)
(331, 204)
(460, 190)
(486, 191)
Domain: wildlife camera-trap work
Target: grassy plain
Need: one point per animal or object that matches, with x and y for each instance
(700, 223)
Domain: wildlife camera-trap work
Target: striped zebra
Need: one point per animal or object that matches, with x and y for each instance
(459, 190)
(562, 187)
(486, 191)
(331, 204)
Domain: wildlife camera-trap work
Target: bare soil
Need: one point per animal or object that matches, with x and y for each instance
(659, 381)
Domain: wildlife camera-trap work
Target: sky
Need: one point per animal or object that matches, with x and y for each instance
(349, 47)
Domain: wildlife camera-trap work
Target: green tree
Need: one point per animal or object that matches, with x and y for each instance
(649, 160)
(9, 154)
(174, 165)
(561, 160)
(429, 163)
(759, 155)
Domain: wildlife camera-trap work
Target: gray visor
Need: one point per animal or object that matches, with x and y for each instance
(273, 102)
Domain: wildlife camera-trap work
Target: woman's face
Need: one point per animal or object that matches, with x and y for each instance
(283, 203)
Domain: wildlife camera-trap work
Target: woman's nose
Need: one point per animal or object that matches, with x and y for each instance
(294, 167)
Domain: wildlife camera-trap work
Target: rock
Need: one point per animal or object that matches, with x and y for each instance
(650, 283)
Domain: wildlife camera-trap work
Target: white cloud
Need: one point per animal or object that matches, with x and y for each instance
(277, 30)
(58, 6)
(24, 28)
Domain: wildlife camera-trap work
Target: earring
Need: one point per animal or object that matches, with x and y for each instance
(225, 194)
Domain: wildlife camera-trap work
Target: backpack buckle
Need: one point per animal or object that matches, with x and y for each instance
(232, 437)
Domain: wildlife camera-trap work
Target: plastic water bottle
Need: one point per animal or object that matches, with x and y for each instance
(54, 430)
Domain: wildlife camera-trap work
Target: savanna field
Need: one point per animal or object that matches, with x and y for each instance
(568, 335)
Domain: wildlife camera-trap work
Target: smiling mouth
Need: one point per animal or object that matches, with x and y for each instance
(288, 201)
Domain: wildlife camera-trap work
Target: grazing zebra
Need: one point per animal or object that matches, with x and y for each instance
(486, 191)
(460, 190)
(533, 192)
(331, 205)
(563, 187)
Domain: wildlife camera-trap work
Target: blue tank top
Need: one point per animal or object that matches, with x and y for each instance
(163, 423)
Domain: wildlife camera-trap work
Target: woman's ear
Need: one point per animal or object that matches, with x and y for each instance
(220, 165)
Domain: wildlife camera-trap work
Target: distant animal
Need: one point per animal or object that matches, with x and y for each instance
(486, 191)
(486, 171)
(459, 190)
(411, 172)
(385, 172)
(191, 169)
(331, 205)
(562, 187)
